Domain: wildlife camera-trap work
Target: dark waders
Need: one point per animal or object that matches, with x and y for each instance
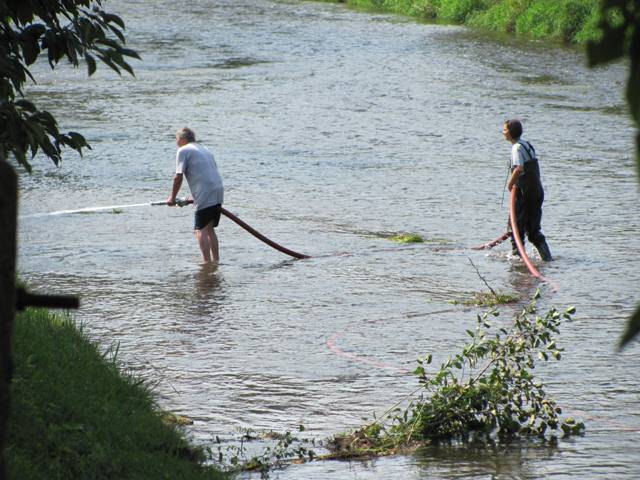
(529, 207)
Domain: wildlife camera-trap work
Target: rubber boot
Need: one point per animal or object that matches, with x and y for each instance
(543, 250)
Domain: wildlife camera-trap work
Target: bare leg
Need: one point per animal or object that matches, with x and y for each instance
(204, 243)
(213, 243)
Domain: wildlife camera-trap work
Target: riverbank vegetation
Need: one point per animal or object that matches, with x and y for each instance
(486, 393)
(75, 414)
(571, 21)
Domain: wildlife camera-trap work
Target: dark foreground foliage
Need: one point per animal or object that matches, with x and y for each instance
(79, 31)
(619, 26)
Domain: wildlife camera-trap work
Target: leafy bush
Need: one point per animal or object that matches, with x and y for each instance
(426, 8)
(556, 19)
(459, 10)
(574, 21)
(499, 17)
(486, 392)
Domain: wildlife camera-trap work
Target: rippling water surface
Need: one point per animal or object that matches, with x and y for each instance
(333, 130)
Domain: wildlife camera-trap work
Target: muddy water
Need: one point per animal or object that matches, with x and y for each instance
(333, 130)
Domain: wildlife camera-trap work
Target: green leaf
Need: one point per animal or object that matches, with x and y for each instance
(610, 47)
(127, 67)
(26, 105)
(111, 18)
(633, 327)
(76, 141)
(117, 32)
(107, 60)
(50, 45)
(633, 84)
(71, 50)
(30, 49)
(91, 64)
(127, 52)
(638, 154)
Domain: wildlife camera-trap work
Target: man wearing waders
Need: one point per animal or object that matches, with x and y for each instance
(525, 174)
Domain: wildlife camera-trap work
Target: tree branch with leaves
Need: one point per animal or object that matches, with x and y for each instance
(75, 30)
(620, 28)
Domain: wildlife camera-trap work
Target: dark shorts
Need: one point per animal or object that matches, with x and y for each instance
(207, 215)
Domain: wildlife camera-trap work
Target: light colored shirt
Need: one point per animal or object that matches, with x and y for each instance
(199, 167)
(520, 155)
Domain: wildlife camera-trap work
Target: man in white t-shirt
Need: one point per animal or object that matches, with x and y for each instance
(197, 164)
(525, 174)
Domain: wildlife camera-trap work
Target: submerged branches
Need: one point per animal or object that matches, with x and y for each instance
(487, 391)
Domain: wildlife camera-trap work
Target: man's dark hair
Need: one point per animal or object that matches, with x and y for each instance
(187, 134)
(515, 128)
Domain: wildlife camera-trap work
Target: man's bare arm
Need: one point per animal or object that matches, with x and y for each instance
(177, 183)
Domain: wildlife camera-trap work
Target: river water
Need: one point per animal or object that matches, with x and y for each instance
(333, 130)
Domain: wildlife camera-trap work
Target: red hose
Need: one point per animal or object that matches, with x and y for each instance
(516, 236)
(249, 229)
(259, 236)
(331, 344)
(497, 241)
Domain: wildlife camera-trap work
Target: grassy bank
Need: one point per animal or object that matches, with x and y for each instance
(571, 21)
(74, 414)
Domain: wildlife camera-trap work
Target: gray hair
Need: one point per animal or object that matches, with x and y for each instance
(187, 134)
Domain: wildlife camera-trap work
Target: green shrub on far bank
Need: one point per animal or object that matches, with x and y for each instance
(572, 21)
(555, 19)
(460, 10)
(499, 17)
(74, 414)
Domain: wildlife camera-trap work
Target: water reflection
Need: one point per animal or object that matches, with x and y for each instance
(207, 280)
(489, 459)
(522, 281)
(208, 290)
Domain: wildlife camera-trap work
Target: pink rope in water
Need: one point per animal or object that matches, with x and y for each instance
(331, 344)
(516, 236)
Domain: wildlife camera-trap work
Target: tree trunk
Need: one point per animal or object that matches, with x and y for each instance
(8, 215)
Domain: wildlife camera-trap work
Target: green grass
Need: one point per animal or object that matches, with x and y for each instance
(75, 414)
(570, 21)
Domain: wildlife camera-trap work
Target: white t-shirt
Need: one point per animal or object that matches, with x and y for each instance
(199, 167)
(520, 155)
